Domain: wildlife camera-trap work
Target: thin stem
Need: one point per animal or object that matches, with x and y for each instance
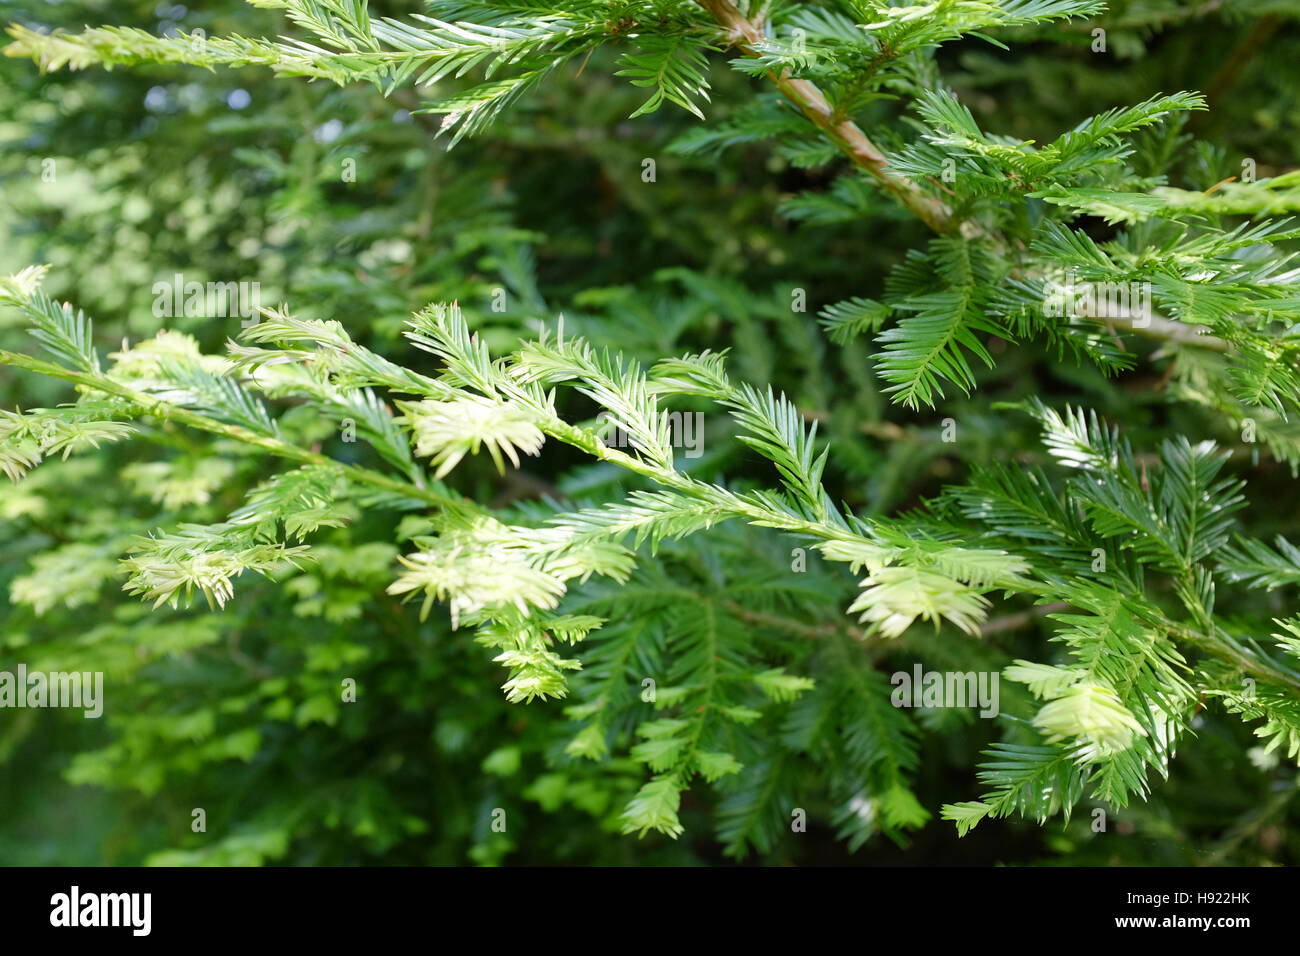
(185, 416)
(1217, 645)
(1169, 330)
(746, 36)
(846, 134)
(1008, 623)
(1242, 54)
(777, 622)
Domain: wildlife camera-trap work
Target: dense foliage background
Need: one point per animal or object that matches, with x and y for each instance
(235, 175)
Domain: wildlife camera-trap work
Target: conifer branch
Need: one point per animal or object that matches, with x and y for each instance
(848, 137)
(745, 35)
(152, 405)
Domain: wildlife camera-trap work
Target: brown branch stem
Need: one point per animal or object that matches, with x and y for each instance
(747, 36)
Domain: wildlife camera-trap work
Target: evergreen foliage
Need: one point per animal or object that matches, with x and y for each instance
(1093, 303)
